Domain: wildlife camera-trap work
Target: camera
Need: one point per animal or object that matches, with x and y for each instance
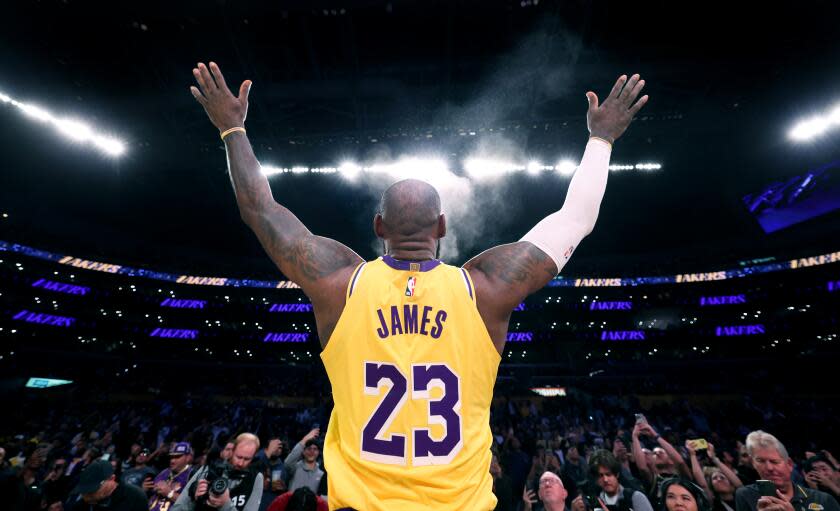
(219, 477)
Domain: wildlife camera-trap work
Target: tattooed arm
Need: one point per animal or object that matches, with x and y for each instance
(320, 266)
(503, 277)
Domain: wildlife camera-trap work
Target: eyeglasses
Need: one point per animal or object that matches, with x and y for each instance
(548, 482)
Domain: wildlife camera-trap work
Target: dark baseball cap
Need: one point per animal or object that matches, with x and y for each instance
(92, 477)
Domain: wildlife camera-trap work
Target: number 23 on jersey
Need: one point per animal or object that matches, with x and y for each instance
(380, 447)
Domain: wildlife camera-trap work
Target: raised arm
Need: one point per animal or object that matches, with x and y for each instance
(320, 266)
(506, 274)
(725, 470)
(639, 456)
(697, 470)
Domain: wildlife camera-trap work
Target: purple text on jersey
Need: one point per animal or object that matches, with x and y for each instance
(408, 321)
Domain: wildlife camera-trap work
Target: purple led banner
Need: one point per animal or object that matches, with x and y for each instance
(732, 331)
(286, 337)
(706, 301)
(833, 286)
(61, 287)
(520, 336)
(623, 335)
(183, 304)
(43, 319)
(174, 333)
(611, 306)
(290, 307)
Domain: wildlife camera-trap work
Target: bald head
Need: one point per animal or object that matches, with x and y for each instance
(409, 207)
(409, 220)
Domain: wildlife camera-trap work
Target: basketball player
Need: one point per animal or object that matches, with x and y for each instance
(412, 345)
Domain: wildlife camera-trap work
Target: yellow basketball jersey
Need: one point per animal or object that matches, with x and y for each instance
(412, 369)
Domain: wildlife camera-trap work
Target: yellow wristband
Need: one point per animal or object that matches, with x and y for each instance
(604, 140)
(228, 132)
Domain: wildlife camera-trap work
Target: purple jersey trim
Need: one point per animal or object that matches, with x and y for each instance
(406, 265)
(467, 280)
(355, 276)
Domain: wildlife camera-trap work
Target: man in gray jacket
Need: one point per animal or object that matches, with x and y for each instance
(306, 471)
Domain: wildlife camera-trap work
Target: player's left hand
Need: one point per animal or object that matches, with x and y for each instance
(610, 119)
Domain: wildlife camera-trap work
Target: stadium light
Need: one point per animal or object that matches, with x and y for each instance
(478, 168)
(809, 129)
(349, 170)
(73, 129)
(437, 172)
(566, 167)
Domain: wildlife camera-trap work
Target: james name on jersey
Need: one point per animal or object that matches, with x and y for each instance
(409, 320)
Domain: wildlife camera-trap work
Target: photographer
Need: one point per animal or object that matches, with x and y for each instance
(227, 486)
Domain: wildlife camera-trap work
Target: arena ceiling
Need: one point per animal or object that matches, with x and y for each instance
(375, 80)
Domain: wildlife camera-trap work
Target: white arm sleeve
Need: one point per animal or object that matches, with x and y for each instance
(559, 233)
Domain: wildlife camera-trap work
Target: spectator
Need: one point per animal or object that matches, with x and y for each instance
(245, 484)
(680, 494)
(605, 470)
(141, 474)
(745, 470)
(227, 452)
(771, 461)
(821, 474)
(167, 486)
(501, 486)
(552, 494)
(305, 472)
(98, 490)
(302, 499)
(574, 471)
(719, 481)
(665, 463)
(55, 484)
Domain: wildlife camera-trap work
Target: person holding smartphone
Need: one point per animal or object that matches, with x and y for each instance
(775, 491)
(551, 492)
(302, 463)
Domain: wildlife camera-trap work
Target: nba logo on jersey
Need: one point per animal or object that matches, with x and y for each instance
(568, 252)
(409, 287)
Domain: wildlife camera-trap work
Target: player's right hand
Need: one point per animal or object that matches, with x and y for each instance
(224, 109)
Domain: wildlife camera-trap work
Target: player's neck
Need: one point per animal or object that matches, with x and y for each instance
(411, 255)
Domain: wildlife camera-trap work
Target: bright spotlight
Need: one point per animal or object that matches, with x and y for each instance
(835, 115)
(489, 169)
(566, 167)
(270, 170)
(809, 129)
(37, 113)
(815, 126)
(111, 146)
(534, 168)
(349, 170)
(75, 130)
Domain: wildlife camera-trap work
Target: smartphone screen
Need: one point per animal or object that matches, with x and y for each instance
(766, 488)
